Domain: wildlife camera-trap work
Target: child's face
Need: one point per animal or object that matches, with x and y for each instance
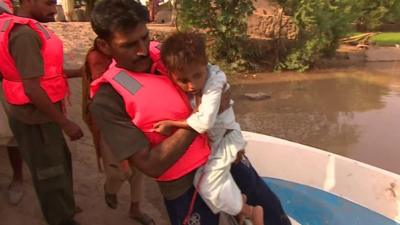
(192, 78)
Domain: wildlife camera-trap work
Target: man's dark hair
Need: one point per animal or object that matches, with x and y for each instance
(109, 16)
(183, 48)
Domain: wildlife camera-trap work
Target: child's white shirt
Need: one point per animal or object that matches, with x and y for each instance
(207, 119)
(217, 187)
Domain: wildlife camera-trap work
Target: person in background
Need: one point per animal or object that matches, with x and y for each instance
(15, 190)
(34, 86)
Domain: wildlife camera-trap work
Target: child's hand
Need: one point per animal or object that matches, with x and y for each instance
(225, 101)
(164, 127)
(239, 156)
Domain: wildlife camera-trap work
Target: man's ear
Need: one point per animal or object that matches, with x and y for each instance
(103, 46)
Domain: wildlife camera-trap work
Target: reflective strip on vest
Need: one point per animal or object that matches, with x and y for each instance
(5, 25)
(127, 82)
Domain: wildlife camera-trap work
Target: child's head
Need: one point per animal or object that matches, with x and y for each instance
(184, 55)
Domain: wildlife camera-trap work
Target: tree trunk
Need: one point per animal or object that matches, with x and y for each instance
(174, 12)
(89, 8)
(68, 6)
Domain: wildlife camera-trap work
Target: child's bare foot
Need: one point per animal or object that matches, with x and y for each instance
(241, 217)
(15, 192)
(258, 215)
(250, 215)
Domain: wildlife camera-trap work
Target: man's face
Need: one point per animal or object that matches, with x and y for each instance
(192, 78)
(43, 10)
(130, 49)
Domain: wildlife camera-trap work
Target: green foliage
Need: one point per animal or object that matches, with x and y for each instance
(393, 15)
(224, 21)
(372, 13)
(321, 24)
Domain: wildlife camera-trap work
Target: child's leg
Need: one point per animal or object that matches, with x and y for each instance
(136, 180)
(219, 191)
(253, 213)
(115, 177)
(178, 210)
(258, 193)
(15, 189)
(16, 163)
(217, 187)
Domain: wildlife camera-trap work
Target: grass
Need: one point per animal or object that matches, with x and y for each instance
(387, 38)
(383, 39)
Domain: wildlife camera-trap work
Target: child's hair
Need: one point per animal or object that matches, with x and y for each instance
(183, 48)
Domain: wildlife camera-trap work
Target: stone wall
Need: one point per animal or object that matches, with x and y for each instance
(269, 22)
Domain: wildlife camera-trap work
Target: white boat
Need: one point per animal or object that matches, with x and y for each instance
(320, 188)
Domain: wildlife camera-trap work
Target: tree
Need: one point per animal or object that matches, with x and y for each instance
(225, 23)
(89, 7)
(372, 13)
(321, 24)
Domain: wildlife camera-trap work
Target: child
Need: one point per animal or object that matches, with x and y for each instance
(95, 65)
(184, 55)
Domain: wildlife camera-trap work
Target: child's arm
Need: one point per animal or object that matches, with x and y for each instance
(204, 117)
(97, 63)
(166, 127)
(208, 110)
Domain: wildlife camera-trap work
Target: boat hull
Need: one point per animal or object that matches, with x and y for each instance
(318, 187)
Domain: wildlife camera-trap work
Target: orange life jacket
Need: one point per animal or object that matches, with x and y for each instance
(53, 81)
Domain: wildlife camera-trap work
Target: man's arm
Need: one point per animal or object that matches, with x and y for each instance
(128, 142)
(41, 101)
(166, 127)
(153, 162)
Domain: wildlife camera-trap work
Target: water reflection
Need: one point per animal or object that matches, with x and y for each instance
(349, 115)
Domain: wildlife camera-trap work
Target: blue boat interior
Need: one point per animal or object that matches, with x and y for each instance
(312, 206)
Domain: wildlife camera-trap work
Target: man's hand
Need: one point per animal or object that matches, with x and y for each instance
(225, 101)
(73, 131)
(164, 127)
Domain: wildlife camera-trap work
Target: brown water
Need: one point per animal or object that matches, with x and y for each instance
(352, 113)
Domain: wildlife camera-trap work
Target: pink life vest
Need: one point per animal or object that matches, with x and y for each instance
(152, 98)
(52, 82)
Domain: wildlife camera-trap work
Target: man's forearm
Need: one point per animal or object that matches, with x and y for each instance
(153, 162)
(42, 102)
